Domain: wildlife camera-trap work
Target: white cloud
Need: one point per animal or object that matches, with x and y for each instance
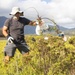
(7, 3)
(62, 11)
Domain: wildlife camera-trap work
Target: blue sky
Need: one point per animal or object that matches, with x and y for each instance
(46, 0)
(62, 11)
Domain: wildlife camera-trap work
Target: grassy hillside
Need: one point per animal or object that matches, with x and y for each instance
(48, 56)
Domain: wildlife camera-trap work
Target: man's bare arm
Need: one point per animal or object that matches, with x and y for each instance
(4, 31)
(33, 23)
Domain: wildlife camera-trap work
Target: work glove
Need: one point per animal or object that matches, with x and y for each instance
(10, 39)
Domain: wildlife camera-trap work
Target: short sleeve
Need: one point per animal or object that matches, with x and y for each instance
(25, 21)
(7, 22)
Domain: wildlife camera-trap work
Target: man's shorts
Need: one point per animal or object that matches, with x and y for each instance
(10, 48)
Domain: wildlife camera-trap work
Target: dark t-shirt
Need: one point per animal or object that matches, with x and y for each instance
(16, 27)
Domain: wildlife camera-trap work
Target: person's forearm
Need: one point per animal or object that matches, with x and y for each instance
(33, 23)
(5, 33)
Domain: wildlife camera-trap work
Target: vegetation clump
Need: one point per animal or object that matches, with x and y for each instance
(49, 55)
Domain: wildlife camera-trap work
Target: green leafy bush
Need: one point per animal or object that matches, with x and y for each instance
(51, 56)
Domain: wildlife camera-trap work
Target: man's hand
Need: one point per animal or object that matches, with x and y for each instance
(10, 39)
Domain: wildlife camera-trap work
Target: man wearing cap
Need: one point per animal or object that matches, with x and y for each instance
(13, 30)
